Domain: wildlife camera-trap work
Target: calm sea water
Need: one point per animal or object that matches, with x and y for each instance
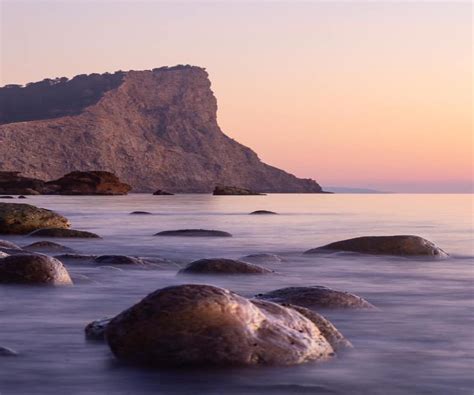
(421, 342)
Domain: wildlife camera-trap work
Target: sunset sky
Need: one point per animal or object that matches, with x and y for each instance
(361, 94)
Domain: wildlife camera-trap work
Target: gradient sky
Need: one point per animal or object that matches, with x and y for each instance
(363, 94)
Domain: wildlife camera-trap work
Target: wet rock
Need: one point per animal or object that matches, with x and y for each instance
(118, 260)
(263, 258)
(7, 352)
(47, 246)
(204, 325)
(335, 338)
(3, 254)
(260, 212)
(21, 197)
(87, 183)
(231, 190)
(75, 257)
(64, 233)
(140, 213)
(194, 233)
(17, 218)
(95, 330)
(223, 266)
(316, 297)
(161, 192)
(33, 269)
(403, 245)
(7, 197)
(8, 244)
(11, 182)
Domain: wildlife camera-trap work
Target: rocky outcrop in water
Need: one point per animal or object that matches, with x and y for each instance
(194, 233)
(64, 233)
(12, 182)
(154, 127)
(16, 218)
(229, 190)
(205, 325)
(223, 266)
(33, 269)
(384, 245)
(87, 183)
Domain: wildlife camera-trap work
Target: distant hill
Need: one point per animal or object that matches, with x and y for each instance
(352, 190)
(155, 129)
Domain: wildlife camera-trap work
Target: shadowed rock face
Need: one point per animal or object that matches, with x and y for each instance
(87, 183)
(316, 297)
(12, 182)
(47, 246)
(16, 218)
(385, 245)
(194, 233)
(155, 127)
(118, 260)
(230, 190)
(33, 269)
(205, 325)
(66, 233)
(223, 266)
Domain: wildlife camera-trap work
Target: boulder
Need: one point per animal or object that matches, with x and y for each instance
(33, 269)
(265, 258)
(140, 213)
(316, 297)
(223, 266)
(95, 330)
(404, 245)
(161, 192)
(87, 183)
(118, 260)
(17, 218)
(262, 212)
(8, 244)
(7, 197)
(11, 182)
(205, 325)
(47, 246)
(194, 233)
(64, 233)
(21, 197)
(75, 257)
(230, 190)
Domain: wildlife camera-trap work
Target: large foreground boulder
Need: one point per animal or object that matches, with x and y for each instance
(11, 182)
(17, 218)
(88, 183)
(33, 269)
(403, 245)
(205, 325)
(64, 233)
(223, 266)
(230, 190)
(194, 233)
(316, 297)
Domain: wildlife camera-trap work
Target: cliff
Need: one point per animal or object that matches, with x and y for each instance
(154, 129)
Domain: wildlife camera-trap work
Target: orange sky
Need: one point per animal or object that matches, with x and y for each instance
(367, 94)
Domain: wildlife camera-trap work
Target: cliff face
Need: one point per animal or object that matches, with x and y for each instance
(154, 129)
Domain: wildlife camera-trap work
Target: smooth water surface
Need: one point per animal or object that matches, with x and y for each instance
(420, 342)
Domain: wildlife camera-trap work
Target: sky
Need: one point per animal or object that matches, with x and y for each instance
(357, 94)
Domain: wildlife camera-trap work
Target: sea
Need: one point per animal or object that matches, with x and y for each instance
(419, 341)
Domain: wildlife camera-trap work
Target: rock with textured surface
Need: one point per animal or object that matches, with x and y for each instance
(223, 266)
(33, 269)
(194, 233)
(95, 330)
(164, 119)
(17, 218)
(403, 245)
(64, 233)
(230, 190)
(11, 182)
(205, 325)
(316, 297)
(47, 246)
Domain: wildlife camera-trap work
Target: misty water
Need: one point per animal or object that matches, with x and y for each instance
(420, 341)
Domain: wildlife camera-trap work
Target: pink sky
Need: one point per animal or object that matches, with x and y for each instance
(364, 94)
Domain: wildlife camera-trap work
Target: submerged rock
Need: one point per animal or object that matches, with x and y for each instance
(230, 190)
(223, 266)
(161, 192)
(206, 325)
(7, 352)
(7, 197)
(33, 269)
(401, 245)
(64, 233)
(3, 254)
(95, 330)
(266, 258)
(87, 183)
(118, 260)
(194, 233)
(75, 257)
(18, 218)
(8, 244)
(140, 213)
(316, 297)
(47, 246)
(260, 212)
(21, 197)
